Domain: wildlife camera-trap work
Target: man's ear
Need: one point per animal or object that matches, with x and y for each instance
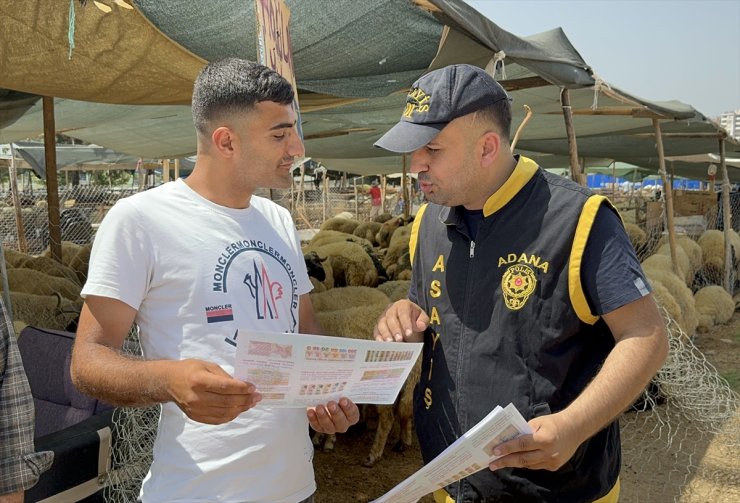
(491, 147)
(223, 140)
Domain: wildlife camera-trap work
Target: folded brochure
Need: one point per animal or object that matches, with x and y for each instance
(470, 453)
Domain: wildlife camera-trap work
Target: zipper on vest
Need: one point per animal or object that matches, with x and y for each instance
(472, 248)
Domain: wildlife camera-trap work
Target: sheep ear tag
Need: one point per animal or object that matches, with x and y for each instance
(517, 284)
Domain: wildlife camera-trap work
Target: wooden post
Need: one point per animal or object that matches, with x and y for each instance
(6, 286)
(301, 192)
(614, 179)
(357, 203)
(668, 189)
(177, 169)
(636, 198)
(325, 196)
(165, 171)
(52, 187)
(726, 216)
(20, 229)
(575, 169)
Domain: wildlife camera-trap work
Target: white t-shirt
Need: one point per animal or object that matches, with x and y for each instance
(195, 272)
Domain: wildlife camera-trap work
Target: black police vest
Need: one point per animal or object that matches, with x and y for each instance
(510, 323)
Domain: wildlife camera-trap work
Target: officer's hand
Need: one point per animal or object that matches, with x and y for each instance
(402, 321)
(550, 446)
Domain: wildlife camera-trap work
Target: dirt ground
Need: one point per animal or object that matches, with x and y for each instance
(714, 473)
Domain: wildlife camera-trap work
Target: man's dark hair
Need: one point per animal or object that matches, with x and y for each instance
(235, 85)
(498, 113)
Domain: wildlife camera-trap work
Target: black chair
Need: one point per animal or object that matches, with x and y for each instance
(76, 427)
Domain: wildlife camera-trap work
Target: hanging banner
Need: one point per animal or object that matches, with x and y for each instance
(274, 47)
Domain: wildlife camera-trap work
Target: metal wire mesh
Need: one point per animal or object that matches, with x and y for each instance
(682, 444)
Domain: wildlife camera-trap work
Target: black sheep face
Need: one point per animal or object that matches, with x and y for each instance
(314, 267)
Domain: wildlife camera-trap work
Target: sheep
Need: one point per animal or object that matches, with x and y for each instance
(47, 311)
(359, 322)
(350, 264)
(636, 235)
(48, 266)
(691, 247)
(383, 217)
(368, 230)
(340, 224)
(383, 238)
(678, 290)
(330, 236)
(338, 299)
(684, 264)
(664, 299)
(714, 305)
(401, 270)
(344, 214)
(319, 271)
(396, 289)
(398, 245)
(35, 282)
(712, 243)
(76, 257)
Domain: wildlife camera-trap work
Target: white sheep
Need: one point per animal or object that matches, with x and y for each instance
(678, 290)
(331, 236)
(395, 289)
(712, 243)
(350, 264)
(347, 225)
(714, 305)
(338, 299)
(358, 322)
(684, 264)
(368, 230)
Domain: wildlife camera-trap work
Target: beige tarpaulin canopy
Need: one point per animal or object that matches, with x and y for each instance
(353, 64)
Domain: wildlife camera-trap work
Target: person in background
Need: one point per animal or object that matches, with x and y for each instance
(525, 290)
(191, 262)
(375, 199)
(20, 465)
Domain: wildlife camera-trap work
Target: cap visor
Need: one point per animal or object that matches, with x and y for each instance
(406, 137)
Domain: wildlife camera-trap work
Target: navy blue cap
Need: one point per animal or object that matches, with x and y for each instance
(435, 100)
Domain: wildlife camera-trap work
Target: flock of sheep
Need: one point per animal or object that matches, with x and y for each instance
(358, 268)
(693, 297)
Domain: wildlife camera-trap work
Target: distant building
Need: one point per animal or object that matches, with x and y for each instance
(730, 121)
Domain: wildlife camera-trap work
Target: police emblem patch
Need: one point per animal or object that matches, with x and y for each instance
(517, 285)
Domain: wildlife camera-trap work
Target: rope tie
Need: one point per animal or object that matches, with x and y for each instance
(598, 86)
(499, 57)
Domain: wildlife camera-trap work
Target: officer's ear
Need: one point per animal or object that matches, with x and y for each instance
(491, 147)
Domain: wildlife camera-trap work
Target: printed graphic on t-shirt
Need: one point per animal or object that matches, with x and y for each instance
(261, 277)
(215, 314)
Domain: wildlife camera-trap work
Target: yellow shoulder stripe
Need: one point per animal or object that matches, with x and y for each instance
(415, 232)
(583, 229)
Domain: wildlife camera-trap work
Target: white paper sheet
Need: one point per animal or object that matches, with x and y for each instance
(301, 370)
(470, 453)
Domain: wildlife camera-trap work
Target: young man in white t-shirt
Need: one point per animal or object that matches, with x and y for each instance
(190, 262)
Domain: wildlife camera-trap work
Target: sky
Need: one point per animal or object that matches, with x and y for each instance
(686, 50)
